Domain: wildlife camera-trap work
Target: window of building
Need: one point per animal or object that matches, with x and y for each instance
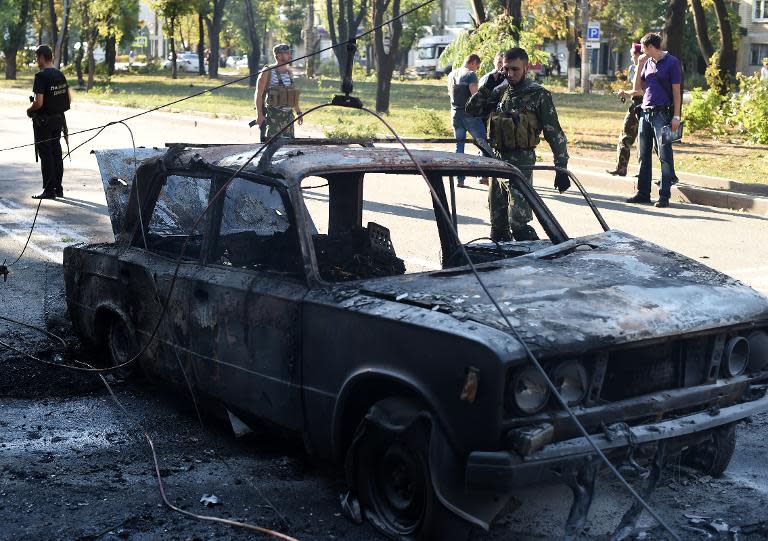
(757, 52)
(761, 10)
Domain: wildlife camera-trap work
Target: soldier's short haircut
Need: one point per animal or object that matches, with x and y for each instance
(516, 53)
(45, 52)
(651, 39)
(472, 59)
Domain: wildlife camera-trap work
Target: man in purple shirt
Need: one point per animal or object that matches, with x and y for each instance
(659, 83)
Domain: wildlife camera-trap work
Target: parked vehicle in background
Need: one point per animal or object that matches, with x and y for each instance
(232, 60)
(428, 51)
(243, 62)
(185, 61)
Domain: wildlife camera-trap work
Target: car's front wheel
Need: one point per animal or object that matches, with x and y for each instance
(393, 477)
(121, 347)
(713, 455)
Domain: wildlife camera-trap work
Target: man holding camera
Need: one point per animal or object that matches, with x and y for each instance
(50, 102)
(659, 82)
(519, 113)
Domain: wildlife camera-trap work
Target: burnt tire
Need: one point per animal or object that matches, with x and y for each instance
(713, 455)
(121, 347)
(394, 481)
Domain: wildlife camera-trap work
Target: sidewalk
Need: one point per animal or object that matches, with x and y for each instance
(696, 189)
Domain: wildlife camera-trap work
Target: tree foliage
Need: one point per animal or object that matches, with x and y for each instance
(488, 39)
(14, 16)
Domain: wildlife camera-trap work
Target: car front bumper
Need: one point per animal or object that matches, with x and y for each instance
(502, 471)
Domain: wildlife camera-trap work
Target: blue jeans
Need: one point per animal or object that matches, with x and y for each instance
(463, 123)
(651, 123)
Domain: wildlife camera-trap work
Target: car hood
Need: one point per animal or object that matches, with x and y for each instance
(591, 292)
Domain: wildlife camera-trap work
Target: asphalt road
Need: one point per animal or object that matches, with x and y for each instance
(72, 466)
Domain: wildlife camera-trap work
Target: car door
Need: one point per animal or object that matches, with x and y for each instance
(245, 310)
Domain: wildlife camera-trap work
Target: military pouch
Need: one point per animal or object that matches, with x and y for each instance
(282, 96)
(514, 130)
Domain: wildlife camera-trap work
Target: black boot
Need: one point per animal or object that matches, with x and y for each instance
(500, 235)
(639, 198)
(525, 233)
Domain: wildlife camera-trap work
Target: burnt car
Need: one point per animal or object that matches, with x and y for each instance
(292, 308)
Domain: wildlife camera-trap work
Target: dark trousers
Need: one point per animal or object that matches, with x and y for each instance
(651, 124)
(47, 138)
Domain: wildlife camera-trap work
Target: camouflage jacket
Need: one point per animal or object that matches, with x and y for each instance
(532, 96)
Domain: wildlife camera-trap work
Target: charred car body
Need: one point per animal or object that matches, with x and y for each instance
(413, 381)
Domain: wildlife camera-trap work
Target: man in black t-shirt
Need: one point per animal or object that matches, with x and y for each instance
(51, 100)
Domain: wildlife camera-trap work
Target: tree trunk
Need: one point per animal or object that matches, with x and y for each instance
(702, 32)
(309, 39)
(79, 66)
(385, 60)
(673, 27)
(345, 27)
(514, 8)
(253, 41)
(200, 45)
(52, 18)
(10, 63)
(110, 54)
(727, 60)
(172, 45)
(62, 39)
(15, 41)
(214, 29)
(479, 10)
(91, 64)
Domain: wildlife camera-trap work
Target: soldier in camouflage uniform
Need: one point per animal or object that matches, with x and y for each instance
(276, 97)
(519, 113)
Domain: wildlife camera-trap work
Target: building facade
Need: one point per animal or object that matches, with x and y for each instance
(754, 36)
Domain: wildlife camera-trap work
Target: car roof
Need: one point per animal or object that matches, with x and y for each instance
(302, 158)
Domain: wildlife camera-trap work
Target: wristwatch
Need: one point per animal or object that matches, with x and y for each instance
(675, 117)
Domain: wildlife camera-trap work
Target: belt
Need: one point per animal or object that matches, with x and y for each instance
(657, 108)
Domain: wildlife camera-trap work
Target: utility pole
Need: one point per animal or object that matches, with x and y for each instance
(585, 52)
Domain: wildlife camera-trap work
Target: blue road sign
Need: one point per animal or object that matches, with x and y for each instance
(593, 33)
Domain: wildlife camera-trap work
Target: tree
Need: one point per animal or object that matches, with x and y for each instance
(724, 57)
(253, 40)
(385, 56)
(14, 16)
(292, 18)
(213, 20)
(61, 41)
(344, 26)
(171, 11)
(674, 26)
(414, 28)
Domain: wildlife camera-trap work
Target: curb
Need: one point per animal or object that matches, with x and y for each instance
(686, 193)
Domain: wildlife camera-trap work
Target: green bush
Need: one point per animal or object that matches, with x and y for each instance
(152, 67)
(428, 122)
(350, 129)
(706, 111)
(750, 108)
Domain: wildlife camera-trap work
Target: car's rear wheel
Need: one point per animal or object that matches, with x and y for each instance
(394, 481)
(121, 347)
(713, 455)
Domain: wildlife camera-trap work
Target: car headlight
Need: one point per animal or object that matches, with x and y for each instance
(758, 350)
(528, 391)
(570, 379)
(735, 356)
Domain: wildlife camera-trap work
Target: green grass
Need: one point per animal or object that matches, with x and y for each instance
(420, 108)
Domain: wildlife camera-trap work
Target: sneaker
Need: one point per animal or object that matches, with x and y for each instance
(617, 172)
(44, 195)
(672, 182)
(525, 233)
(639, 199)
(460, 183)
(499, 235)
(663, 202)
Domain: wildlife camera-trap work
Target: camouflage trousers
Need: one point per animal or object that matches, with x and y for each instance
(508, 207)
(627, 138)
(276, 120)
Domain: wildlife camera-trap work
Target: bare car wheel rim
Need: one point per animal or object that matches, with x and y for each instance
(119, 343)
(400, 488)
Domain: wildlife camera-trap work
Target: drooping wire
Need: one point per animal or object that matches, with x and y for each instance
(234, 81)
